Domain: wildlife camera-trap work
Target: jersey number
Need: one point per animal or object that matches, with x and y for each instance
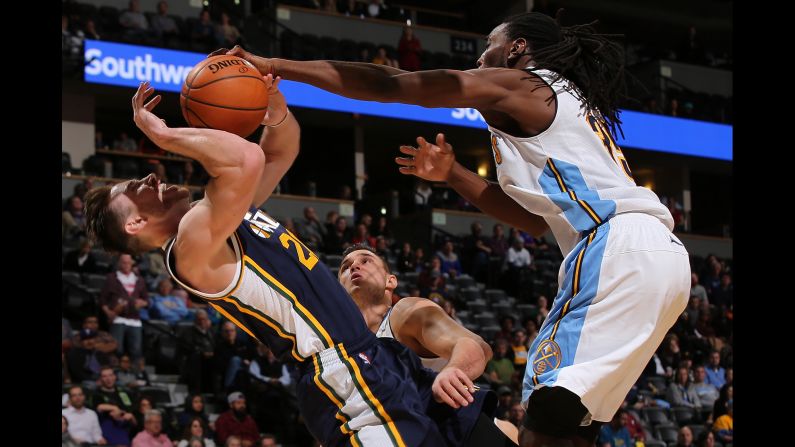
(309, 261)
(601, 131)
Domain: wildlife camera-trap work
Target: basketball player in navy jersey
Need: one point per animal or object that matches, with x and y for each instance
(550, 97)
(443, 345)
(354, 388)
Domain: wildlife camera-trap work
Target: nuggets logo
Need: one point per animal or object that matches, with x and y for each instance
(547, 357)
(497, 154)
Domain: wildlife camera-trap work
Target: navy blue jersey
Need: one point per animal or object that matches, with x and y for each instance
(282, 294)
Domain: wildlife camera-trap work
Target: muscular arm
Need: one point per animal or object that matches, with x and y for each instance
(280, 144)
(423, 326)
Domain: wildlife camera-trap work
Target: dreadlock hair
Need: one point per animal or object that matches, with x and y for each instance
(590, 60)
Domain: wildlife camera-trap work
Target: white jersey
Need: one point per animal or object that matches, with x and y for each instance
(385, 331)
(572, 174)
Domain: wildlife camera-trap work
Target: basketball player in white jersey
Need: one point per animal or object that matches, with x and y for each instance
(550, 96)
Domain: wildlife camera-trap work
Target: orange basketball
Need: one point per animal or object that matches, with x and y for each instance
(225, 93)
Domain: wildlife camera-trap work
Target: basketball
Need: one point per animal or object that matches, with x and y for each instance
(224, 93)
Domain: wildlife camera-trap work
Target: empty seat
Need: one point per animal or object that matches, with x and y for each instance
(70, 277)
(94, 281)
(655, 415)
(494, 295)
(158, 395)
(667, 433)
(470, 294)
(683, 415)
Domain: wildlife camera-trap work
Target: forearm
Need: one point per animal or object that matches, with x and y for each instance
(216, 150)
(357, 80)
(469, 357)
(492, 200)
(281, 135)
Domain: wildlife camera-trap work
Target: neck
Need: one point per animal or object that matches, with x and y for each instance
(373, 310)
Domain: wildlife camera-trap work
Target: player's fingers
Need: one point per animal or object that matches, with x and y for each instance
(404, 161)
(421, 141)
(154, 102)
(219, 52)
(408, 170)
(441, 396)
(451, 391)
(441, 141)
(235, 51)
(467, 388)
(409, 150)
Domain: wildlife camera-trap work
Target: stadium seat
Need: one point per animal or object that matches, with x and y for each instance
(655, 415)
(683, 415)
(157, 394)
(667, 433)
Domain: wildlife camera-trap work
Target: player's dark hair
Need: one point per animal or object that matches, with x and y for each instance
(593, 62)
(362, 246)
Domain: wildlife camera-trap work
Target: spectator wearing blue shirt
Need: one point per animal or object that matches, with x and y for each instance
(449, 260)
(166, 306)
(615, 434)
(715, 374)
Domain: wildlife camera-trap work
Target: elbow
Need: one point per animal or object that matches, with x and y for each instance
(487, 352)
(252, 160)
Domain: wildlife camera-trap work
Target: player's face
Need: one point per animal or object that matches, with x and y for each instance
(497, 48)
(151, 197)
(363, 272)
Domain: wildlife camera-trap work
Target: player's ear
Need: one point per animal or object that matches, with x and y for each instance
(134, 224)
(391, 282)
(518, 47)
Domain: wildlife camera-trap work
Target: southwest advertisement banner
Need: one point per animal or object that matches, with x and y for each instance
(128, 65)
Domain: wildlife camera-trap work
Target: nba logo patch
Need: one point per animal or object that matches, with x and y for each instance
(547, 357)
(364, 358)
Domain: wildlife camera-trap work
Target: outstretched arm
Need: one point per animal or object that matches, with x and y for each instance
(491, 88)
(436, 162)
(423, 325)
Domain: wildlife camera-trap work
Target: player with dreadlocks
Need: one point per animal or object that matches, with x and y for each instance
(550, 96)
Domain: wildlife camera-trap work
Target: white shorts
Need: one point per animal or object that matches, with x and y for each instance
(621, 289)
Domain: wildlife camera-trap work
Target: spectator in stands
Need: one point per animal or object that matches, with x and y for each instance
(432, 275)
(122, 298)
(143, 405)
(685, 437)
(712, 279)
(152, 434)
(165, 306)
(81, 260)
(339, 239)
(697, 289)
(84, 363)
(159, 170)
(310, 230)
(449, 309)
(230, 35)
(504, 401)
(682, 392)
(516, 413)
(519, 347)
(671, 354)
(721, 405)
(419, 259)
(66, 438)
(615, 434)
(204, 35)
(196, 428)
(707, 393)
(237, 422)
(200, 344)
(531, 328)
(99, 140)
(153, 268)
(83, 422)
(451, 265)
(500, 370)
(543, 309)
(267, 440)
(507, 324)
(163, 26)
(707, 439)
(409, 50)
(72, 220)
(723, 296)
(406, 261)
(272, 405)
(724, 425)
(66, 335)
(476, 253)
(134, 22)
(125, 374)
(422, 194)
(516, 260)
(192, 409)
(231, 355)
(498, 243)
(124, 142)
(71, 41)
(362, 236)
(114, 407)
(331, 219)
(381, 229)
(233, 441)
(103, 342)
